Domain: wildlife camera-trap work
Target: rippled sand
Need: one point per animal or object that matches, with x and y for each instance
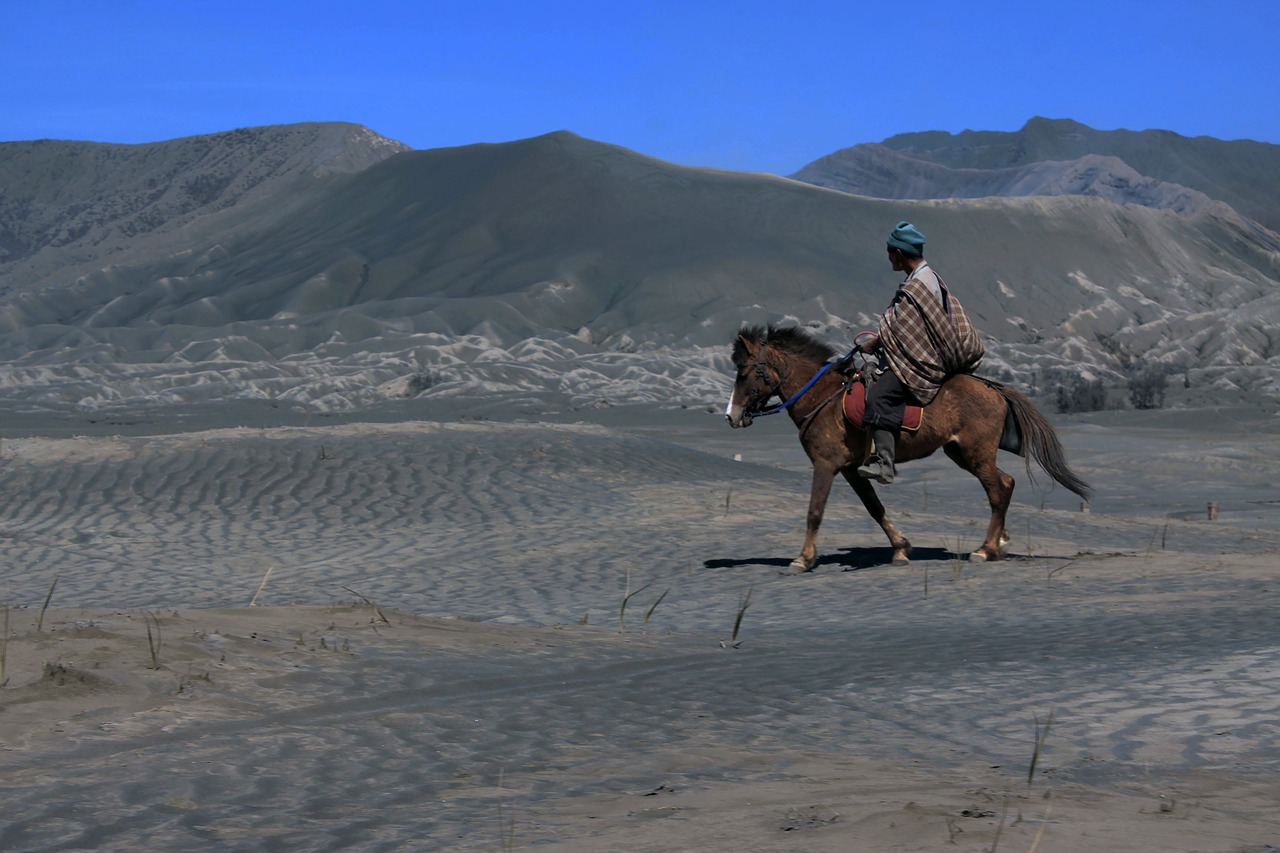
(439, 656)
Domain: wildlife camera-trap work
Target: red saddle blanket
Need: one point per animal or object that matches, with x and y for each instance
(855, 405)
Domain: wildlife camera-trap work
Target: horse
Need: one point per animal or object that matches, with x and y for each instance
(966, 419)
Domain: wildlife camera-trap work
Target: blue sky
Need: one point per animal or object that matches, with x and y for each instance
(744, 85)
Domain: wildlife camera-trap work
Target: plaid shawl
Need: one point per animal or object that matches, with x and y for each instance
(925, 339)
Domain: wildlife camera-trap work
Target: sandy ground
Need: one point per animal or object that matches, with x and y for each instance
(489, 636)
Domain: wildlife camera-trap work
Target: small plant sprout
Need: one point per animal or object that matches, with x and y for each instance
(4, 647)
(627, 596)
(45, 606)
(1052, 572)
(253, 601)
(1042, 734)
(153, 637)
(743, 603)
(653, 607)
(1044, 823)
(379, 616)
(1004, 815)
(506, 822)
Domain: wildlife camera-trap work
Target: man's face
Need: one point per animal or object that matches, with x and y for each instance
(897, 259)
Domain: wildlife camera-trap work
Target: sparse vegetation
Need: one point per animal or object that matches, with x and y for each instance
(1044, 823)
(957, 559)
(653, 607)
(45, 606)
(253, 601)
(1042, 734)
(1049, 577)
(378, 615)
(205, 187)
(626, 597)
(1004, 814)
(419, 382)
(153, 637)
(743, 603)
(506, 821)
(185, 682)
(1147, 385)
(1084, 395)
(4, 648)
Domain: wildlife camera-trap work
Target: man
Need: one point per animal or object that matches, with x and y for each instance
(924, 337)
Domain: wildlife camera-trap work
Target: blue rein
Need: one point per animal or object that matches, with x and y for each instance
(783, 406)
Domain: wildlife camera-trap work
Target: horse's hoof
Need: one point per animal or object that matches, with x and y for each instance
(799, 567)
(900, 560)
(978, 557)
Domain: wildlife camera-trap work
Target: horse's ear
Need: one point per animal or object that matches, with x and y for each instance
(743, 348)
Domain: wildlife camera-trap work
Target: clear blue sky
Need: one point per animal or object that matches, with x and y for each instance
(761, 86)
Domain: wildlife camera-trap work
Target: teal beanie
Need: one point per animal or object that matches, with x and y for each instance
(907, 238)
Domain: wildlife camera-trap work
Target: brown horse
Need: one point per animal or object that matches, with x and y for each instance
(966, 419)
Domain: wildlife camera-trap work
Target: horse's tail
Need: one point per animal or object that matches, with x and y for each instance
(1040, 440)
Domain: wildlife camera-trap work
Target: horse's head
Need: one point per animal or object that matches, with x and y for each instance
(765, 360)
(755, 382)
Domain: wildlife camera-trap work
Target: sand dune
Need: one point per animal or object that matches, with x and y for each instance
(438, 661)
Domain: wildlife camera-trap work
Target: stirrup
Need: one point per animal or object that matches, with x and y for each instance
(876, 469)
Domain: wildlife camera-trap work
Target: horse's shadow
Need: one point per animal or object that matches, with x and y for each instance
(849, 560)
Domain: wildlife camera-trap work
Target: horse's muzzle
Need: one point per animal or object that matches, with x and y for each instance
(741, 422)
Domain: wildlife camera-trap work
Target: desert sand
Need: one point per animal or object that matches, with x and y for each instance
(507, 635)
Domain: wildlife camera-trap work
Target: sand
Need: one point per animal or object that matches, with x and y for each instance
(437, 655)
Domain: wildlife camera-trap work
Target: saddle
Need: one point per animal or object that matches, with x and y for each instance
(855, 406)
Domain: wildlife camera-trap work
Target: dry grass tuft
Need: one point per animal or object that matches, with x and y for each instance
(153, 638)
(743, 603)
(1042, 734)
(45, 606)
(4, 647)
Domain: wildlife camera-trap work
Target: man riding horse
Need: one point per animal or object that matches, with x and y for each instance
(924, 337)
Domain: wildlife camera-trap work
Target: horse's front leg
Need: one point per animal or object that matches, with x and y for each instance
(901, 547)
(823, 476)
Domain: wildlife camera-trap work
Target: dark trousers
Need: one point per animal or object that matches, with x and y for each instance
(887, 400)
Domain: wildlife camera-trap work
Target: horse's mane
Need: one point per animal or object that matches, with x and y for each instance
(790, 339)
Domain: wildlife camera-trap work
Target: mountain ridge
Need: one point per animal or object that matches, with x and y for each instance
(561, 268)
(1243, 174)
(78, 196)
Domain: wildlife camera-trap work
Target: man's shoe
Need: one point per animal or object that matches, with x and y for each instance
(877, 469)
(880, 466)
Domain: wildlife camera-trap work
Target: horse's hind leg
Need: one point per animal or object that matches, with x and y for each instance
(867, 492)
(999, 488)
(818, 494)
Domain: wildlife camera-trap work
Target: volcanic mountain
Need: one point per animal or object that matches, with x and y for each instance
(325, 268)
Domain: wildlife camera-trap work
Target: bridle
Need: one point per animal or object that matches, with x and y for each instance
(757, 398)
(761, 391)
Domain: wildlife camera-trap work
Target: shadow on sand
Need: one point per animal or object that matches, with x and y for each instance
(848, 560)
